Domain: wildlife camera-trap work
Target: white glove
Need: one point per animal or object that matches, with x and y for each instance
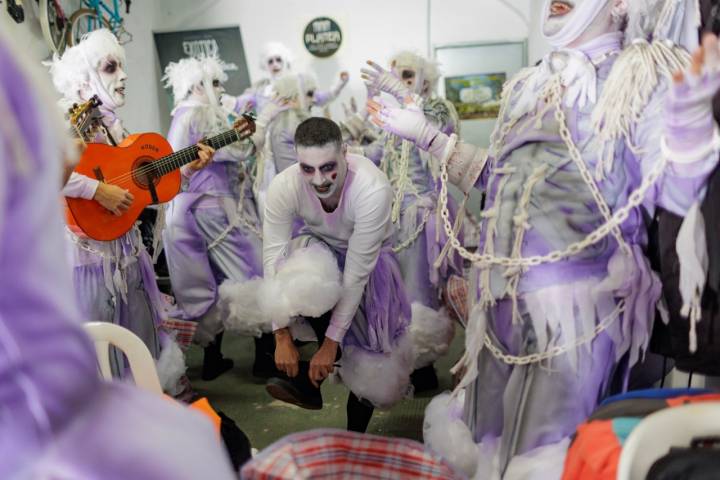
(408, 123)
(378, 79)
(688, 118)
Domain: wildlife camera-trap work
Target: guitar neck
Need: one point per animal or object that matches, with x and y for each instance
(186, 155)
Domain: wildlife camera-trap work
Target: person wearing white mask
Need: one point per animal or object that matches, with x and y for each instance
(277, 60)
(419, 240)
(114, 281)
(587, 145)
(337, 276)
(212, 227)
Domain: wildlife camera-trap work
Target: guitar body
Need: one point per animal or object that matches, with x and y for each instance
(127, 167)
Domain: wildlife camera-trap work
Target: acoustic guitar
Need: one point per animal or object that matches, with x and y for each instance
(146, 166)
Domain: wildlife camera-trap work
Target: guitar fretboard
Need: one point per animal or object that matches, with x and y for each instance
(182, 157)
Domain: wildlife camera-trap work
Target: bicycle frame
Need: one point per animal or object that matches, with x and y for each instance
(111, 14)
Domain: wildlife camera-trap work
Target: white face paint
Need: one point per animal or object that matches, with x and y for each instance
(324, 168)
(562, 14)
(275, 65)
(559, 13)
(112, 78)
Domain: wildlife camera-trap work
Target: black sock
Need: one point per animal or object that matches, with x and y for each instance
(358, 414)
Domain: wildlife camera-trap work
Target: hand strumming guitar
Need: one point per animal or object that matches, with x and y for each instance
(114, 198)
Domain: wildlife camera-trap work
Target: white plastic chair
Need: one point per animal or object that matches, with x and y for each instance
(142, 365)
(656, 434)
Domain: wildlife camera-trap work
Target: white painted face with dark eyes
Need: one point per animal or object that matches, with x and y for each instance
(112, 78)
(323, 168)
(275, 65)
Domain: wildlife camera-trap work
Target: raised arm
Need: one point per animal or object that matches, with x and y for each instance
(679, 126)
(322, 98)
(466, 162)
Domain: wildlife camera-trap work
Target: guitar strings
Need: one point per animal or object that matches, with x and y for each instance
(181, 155)
(126, 178)
(172, 158)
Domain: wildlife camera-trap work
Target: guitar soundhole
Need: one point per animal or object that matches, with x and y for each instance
(144, 173)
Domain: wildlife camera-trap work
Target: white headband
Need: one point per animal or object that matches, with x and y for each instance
(583, 16)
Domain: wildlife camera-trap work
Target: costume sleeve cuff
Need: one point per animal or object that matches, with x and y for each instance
(90, 189)
(336, 332)
(695, 162)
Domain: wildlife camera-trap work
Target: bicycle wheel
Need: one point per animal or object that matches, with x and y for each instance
(53, 25)
(84, 21)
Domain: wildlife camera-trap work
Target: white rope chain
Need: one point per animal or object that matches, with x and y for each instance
(610, 226)
(84, 244)
(613, 222)
(411, 239)
(557, 350)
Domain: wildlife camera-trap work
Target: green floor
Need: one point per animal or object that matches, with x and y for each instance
(264, 420)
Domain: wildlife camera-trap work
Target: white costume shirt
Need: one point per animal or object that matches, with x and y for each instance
(360, 225)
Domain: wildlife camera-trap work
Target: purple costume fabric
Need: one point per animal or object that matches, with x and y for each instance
(519, 408)
(201, 246)
(115, 281)
(384, 312)
(57, 420)
(424, 282)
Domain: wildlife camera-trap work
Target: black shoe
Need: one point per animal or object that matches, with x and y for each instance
(212, 370)
(214, 364)
(297, 391)
(424, 379)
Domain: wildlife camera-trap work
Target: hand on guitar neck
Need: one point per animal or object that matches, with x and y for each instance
(143, 170)
(206, 152)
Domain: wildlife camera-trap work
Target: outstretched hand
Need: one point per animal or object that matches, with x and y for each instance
(377, 79)
(408, 123)
(689, 118)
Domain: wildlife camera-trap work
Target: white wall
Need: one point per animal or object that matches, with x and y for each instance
(538, 47)
(26, 35)
(372, 29)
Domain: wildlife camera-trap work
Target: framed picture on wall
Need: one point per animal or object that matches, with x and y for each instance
(476, 96)
(473, 77)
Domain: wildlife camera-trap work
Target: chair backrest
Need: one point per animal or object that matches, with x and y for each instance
(142, 365)
(670, 427)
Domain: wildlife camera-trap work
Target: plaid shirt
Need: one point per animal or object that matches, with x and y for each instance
(338, 454)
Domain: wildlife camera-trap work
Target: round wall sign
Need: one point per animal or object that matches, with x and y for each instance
(322, 37)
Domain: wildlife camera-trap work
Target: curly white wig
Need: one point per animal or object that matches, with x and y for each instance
(71, 72)
(294, 85)
(214, 68)
(275, 49)
(185, 74)
(182, 76)
(429, 68)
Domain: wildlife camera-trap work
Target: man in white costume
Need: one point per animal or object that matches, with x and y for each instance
(361, 309)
